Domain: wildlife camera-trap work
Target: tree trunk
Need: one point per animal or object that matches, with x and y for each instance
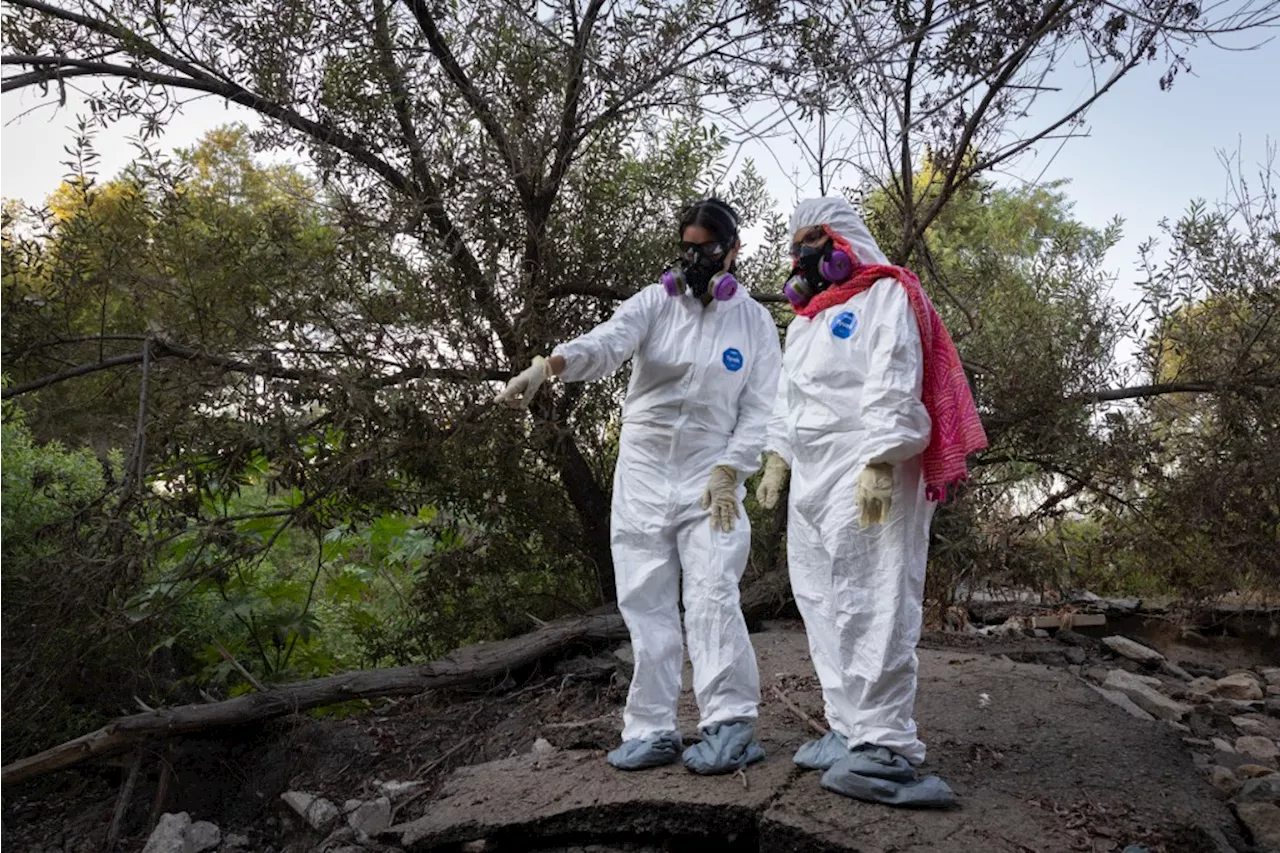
(474, 664)
(592, 505)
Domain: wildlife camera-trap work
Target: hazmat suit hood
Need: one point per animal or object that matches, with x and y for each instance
(839, 215)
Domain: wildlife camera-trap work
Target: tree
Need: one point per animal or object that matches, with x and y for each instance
(471, 141)
(969, 87)
(192, 252)
(1208, 495)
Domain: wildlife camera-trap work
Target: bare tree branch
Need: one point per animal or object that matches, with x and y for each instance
(1137, 392)
(165, 349)
(478, 103)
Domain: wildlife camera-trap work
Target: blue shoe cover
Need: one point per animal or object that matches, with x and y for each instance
(724, 748)
(820, 754)
(928, 792)
(643, 753)
(878, 762)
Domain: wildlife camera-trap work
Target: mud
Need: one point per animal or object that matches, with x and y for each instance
(1039, 761)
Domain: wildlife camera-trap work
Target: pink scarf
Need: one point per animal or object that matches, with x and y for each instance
(957, 429)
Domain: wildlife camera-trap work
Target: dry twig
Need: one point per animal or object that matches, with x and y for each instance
(791, 706)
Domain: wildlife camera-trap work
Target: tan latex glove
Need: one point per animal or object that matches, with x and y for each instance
(773, 481)
(721, 497)
(874, 494)
(519, 391)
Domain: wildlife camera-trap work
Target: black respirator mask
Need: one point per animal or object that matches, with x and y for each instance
(701, 269)
(815, 268)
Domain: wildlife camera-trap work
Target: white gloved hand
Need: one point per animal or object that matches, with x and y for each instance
(773, 481)
(519, 391)
(721, 497)
(874, 494)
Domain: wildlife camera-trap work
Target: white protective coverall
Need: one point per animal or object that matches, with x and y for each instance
(700, 395)
(850, 395)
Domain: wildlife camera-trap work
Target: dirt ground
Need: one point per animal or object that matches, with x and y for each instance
(1039, 760)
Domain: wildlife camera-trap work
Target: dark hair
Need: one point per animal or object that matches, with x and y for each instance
(714, 215)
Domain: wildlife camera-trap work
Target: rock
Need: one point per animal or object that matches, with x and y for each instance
(1265, 789)
(1264, 749)
(1097, 674)
(175, 833)
(1171, 668)
(626, 657)
(1254, 726)
(1014, 626)
(542, 746)
(371, 819)
(1125, 647)
(1075, 655)
(1223, 779)
(201, 836)
(1231, 760)
(340, 836)
(1145, 696)
(1205, 670)
(1232, 707)
(316, 811)
(1253, 771)
(169, 834)
(234, 841)
(351, 805)
(1083, 641)
(1124, 605)
(1270, 674)
(1223, 745)
(1238, 685)
(1202, 726)
(1201, 689)
(1263, 823)
(395, 790)
(1040, 634)
(1122, 701)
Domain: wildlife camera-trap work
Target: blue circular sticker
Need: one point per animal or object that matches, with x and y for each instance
(844, 324)
(732, 360)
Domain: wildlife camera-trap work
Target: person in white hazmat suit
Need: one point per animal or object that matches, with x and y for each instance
(705, 361)
(872, 415)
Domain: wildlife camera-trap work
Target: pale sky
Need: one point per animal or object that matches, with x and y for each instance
(1148, 153)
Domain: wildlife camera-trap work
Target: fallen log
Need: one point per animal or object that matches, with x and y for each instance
(467, 666)
(766, 597)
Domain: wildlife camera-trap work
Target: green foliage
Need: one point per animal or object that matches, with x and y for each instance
(56, 585)
(250, 585)
(1206, 509)
(44, 485)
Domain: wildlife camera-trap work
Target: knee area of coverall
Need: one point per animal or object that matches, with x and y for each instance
(710, 590)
